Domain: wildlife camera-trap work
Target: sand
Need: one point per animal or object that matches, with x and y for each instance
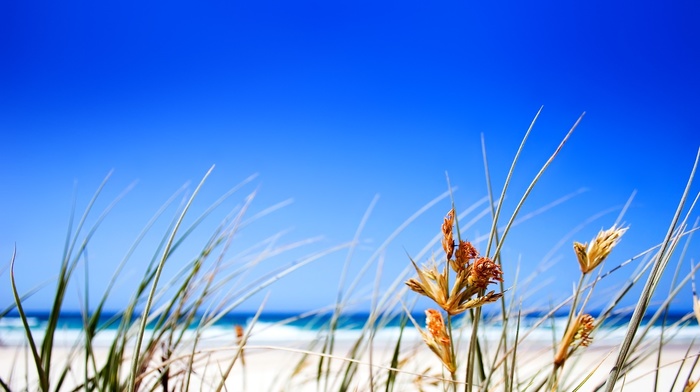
(271, 367)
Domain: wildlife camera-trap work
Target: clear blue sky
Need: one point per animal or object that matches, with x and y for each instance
(333, 102)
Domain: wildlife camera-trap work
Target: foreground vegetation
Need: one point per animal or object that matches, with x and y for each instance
(160, 337)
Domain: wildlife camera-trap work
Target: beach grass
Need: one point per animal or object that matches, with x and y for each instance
(158, 341)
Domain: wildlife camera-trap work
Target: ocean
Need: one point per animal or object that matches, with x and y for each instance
(279, 327)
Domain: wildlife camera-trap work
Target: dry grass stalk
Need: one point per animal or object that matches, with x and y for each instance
(590, 256)
(472, 275)
(431, 382)
(696, 301)
(690, 386)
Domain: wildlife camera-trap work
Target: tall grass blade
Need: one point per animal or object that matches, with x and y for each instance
(391, 375)
(66, 270)
(144, 317)
(41, 372)
(649, 287)
(473, 347)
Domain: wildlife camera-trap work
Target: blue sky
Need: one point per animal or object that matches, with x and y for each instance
(333, 103)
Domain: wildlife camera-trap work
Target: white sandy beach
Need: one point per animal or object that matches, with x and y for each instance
(274, 368)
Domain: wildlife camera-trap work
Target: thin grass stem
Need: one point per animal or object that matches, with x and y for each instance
(649, 287)
(144, 317)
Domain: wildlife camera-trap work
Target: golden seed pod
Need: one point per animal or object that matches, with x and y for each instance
(590, 256)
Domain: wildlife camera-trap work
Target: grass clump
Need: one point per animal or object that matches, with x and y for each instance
(472, 275)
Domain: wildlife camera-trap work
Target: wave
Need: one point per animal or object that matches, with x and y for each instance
(12, 333)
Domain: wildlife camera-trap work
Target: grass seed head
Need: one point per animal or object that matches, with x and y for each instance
(436, 326)
(582, 256)
(472, 273)
(468, 283)
(583, 332)
(484, 272)
(590, 256)
(464, 255)
(577, 335)
(430, 283)
(437, 338)
(448, 243)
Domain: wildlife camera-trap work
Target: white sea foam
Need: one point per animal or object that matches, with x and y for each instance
(12, 333)
(16, 322)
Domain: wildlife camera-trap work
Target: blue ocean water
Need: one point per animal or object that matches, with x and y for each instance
(274, 327)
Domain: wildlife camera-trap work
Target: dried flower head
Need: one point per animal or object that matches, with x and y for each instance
(436, 326)
(430, 283)
(437, 338)
(484, 272)
(471, 278)
(448, 243)
(590, 256)
(577, 335)
(583, 332)
(465, 253)
(465, 290)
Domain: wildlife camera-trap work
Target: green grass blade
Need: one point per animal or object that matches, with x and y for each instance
(144, 317)
(391, 375)
(67, 268)
(497, 213)
(41, 373)
(474, 352)
(4, 386)
(533, 183)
